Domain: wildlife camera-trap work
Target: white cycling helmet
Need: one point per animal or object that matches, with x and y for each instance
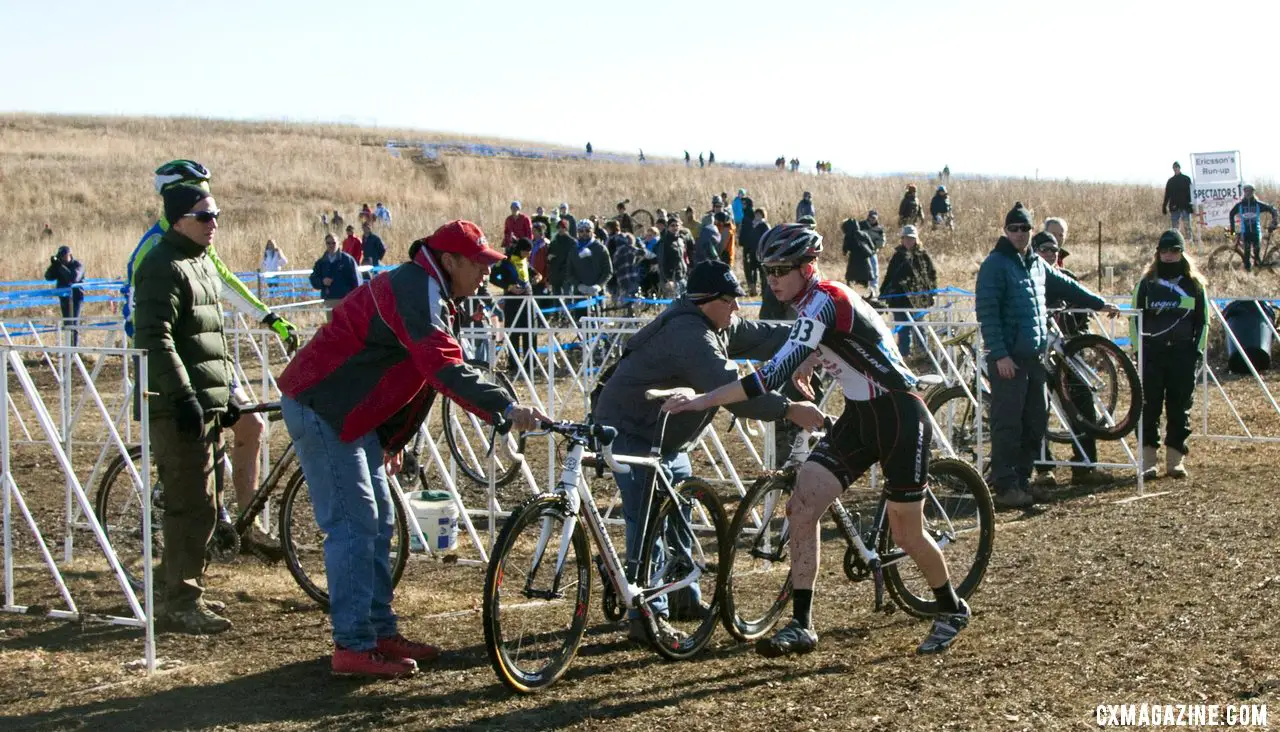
(176, 172)
(790, 244)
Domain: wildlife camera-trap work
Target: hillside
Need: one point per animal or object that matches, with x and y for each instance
(90, 178)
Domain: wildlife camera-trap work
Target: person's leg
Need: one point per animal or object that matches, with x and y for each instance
(246, 450)
(380, 613)
(678, 539)
(1180, 389)
(1035, 417)
(342, 496)
(1153, 395)
(875, 275)
(904, 330)
(1008, 398)
(185, 468)
(636, 508)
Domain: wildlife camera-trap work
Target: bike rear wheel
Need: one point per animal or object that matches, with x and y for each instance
(664, 561)
(1098, 369)
(535, 616)
(641, 219)
(468, 437)
(956, 415)
(303, 541)
(756, 569)
(959, 516)
(118, 506)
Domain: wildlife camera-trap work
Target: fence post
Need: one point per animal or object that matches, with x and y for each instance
(1099, 256)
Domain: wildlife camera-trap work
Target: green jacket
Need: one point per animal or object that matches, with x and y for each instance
(178, 321)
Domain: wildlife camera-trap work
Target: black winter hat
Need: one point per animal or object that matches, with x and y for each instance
(1043, 239)
(1017, 215)
(179, 200)
(712, 279)
(1171, 240)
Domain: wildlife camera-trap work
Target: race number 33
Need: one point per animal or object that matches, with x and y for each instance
(807, 332)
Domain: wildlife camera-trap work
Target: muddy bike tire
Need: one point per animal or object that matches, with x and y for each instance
(303, 542)
(476, 467)
(1122, 373)
(514, 561)
(958, 483)
(655, 557)
(755, 569)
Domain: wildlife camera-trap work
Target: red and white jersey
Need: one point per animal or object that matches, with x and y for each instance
(852, 341)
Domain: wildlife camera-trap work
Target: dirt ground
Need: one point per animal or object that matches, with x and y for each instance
(1089, 600)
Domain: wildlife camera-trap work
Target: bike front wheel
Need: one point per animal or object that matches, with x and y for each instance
(537, 590)
(118, 506)
(303, 541)
(685, 535)
(960, 518)
(1098, 387)
(755, 569)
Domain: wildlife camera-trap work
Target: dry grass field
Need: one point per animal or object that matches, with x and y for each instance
(1089, 599)
(90, 178)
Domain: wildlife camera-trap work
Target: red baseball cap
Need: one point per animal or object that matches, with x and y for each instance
(465, 238)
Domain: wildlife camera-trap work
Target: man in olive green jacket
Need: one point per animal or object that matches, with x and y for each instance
(178, 321)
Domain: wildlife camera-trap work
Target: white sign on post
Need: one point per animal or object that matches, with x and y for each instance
(1216, 185)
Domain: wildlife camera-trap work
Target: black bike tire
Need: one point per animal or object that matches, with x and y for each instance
(637, 224)
(297, 483)
(478, 476)
(749, 630)
(957, 392)
(532, 510)
(1123, 426)
(927, 607)
(1224, 257)
(699, 490)
(102, 501)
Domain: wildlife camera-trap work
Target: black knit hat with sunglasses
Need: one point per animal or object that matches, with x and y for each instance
(179, 200)
(1017, 215)
(710, 280)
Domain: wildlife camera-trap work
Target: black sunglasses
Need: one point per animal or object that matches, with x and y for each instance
(781, 270)
(1019, 228)
(203, 217)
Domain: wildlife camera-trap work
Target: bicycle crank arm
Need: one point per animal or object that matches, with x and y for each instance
(877, 574)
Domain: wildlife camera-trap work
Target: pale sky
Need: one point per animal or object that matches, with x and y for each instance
(1086, 89)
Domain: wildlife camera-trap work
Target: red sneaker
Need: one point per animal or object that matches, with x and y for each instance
(371, 664)
(397, 646)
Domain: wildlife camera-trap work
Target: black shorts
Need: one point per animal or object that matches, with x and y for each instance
(893, 430)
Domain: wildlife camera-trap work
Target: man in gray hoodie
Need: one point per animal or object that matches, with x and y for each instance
(588, 267)
(691, 344)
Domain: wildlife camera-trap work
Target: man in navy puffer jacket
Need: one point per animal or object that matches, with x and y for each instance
(1012, 284)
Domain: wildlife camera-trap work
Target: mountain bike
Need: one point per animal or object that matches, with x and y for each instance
(118, 506)
(1231, 255)
(1083, 371)
(755, 571)
(537, 589)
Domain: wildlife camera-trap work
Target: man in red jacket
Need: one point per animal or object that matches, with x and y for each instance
(518, 224)
(353, 397)
(353, 245)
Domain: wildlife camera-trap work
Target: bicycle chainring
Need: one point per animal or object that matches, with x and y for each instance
(854, 568)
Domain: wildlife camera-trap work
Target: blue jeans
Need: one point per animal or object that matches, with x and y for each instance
(905, 331)
(1176, 217)
(634, 487)
(352, 504)
(875, 273)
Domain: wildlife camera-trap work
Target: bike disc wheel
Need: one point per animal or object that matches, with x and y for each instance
(756, 567)
(118, 506)
(468, 438)
(959, 516)
(1108, 380)
(671, 553)
(535, 616)
(303, 541)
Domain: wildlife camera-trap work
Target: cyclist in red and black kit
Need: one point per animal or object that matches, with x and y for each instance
(884, 421)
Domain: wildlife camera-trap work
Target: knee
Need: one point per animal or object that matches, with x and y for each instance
(815, 488)
(248, 430)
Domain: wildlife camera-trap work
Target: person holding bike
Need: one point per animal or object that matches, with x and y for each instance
(247, 431)
(1249, 210)
(1175, 319)
(1013, 285)
(693, 343)
(940, 208)
(353, 397)
(883, 421)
